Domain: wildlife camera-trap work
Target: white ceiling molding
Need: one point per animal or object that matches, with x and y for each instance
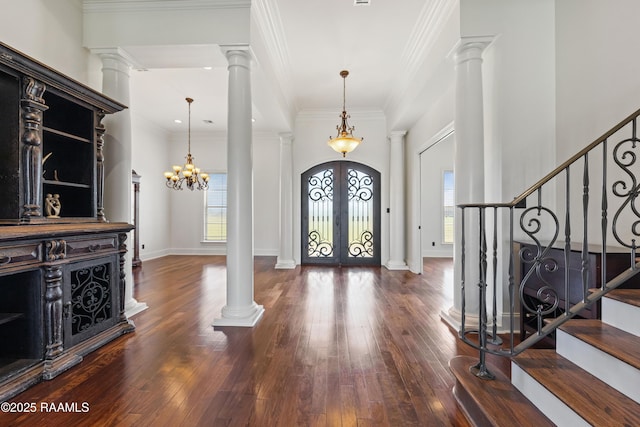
(267, 19)
(150, 5)
(416, 52)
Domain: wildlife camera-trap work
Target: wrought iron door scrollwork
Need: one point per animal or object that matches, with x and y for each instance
(360, 185)
(317, 247)
(363, 247)
(341, 214)
(321, 187)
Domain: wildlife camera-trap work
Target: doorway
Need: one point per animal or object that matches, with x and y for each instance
(341, 214)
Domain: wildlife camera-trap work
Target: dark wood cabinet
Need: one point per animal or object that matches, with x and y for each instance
(62, 262)
(552, 274)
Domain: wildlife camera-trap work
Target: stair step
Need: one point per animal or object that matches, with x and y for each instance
(607, 352)
(492, 402)
(629, 296)
(621, 308)
(569, 394)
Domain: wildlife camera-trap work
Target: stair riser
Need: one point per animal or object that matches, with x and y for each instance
(543, 399)
(622, 316)
(611, 370)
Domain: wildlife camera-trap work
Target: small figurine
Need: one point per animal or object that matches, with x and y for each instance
(52, 206)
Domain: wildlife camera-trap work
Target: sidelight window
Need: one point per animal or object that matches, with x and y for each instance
(216, 208)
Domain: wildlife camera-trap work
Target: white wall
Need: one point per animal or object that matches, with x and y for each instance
(422, 170)
(598, 86)
(313, 130)
(434, 161)
(150, 159)
(187, 207)
(519, 72)
(598, 69)
(266, 194)
(49, 31)
(439, 107)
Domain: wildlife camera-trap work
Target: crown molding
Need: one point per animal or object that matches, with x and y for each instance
(91, 6)
(266, 16)
(429, 26)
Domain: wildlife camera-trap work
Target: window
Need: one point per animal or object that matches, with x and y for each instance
(449, 207)
(216, 209)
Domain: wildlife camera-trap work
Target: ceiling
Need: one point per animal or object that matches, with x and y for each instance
(304, 44)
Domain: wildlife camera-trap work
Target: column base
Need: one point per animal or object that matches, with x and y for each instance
(244, 316)
(453, 318)
(133, 307)
(396, 265)
(285, 264)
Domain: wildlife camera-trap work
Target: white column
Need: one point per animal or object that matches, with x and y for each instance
(117, 157)
(285, 253)
(397, 209)
(241, 309)
(469, 174)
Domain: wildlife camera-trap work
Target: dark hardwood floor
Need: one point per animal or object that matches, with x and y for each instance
(336, 347)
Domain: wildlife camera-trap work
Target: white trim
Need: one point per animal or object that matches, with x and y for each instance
(287, 264)
(414, 253)
(396, 265)
(97, 6)
(429, 25)
(439, 136)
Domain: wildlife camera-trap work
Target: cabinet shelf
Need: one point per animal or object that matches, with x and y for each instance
(66, 135)
(66, 184)
(9, 317)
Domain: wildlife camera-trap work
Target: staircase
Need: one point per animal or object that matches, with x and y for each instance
(591, 378)
(550, 286)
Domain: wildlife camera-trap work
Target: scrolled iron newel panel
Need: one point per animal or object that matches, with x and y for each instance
(628, 190)
(547, 298)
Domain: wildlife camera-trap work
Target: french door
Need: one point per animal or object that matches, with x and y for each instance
(341, 214)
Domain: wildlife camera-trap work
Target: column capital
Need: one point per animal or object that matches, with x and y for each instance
(471, 47)
(116, 58)
(226, 48)
(286, 137)
(238, 58)
(397, 135)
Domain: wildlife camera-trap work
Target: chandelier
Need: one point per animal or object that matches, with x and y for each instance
(344, 142)
(188, 174)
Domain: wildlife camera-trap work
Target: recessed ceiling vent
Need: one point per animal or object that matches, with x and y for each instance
(361, 2)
